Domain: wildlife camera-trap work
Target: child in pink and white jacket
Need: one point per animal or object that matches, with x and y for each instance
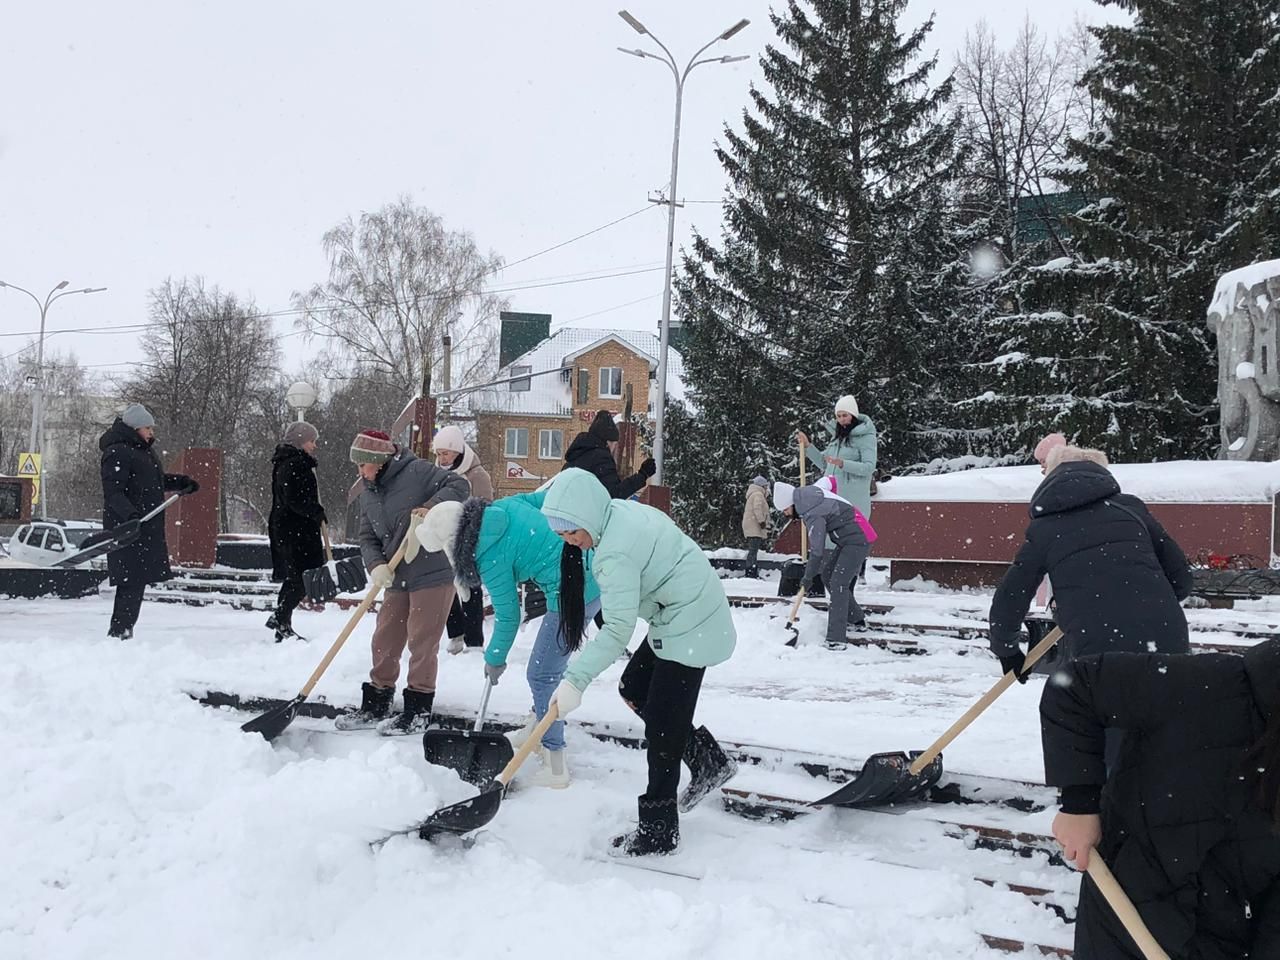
(827, 515)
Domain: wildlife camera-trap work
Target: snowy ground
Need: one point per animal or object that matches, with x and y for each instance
(137, 823)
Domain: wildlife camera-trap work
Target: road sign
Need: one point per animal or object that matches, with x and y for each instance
(29, 466)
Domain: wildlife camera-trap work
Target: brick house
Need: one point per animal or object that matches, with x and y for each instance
(524, 427)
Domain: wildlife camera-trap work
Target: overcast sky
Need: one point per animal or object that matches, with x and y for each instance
(140, 140)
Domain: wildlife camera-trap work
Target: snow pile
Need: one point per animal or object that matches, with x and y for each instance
(1224, 295)
(1179, 481)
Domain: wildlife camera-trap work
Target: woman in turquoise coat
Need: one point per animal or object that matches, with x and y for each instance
(850, 457)
(501, 545)
(648, 570)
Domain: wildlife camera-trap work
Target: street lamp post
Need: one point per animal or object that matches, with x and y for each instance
(35, 442)
(664, 330)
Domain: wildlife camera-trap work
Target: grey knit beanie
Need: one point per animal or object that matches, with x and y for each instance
(300, 432)
(137, 416)
(761, 482)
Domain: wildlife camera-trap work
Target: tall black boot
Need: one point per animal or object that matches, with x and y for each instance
(375, 704)
(710, 768)
(413, 718)
(658, 830)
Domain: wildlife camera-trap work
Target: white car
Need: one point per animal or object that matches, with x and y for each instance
(45, 542)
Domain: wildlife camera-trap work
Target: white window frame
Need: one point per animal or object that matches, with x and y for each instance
(525, 385)
(516, 433)
(544, 435)
(600, 383)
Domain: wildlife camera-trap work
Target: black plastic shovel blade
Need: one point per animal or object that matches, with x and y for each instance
(272, 723)
(319, 585)
(464, 816)
(351, 575)
(886, 778)
(476, 757)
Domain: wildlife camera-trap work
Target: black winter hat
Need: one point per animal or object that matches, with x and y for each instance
(604, 427)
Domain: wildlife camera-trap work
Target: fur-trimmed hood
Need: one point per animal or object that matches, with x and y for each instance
(462, 548)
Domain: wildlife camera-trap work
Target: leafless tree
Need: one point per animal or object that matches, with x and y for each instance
(399, 282)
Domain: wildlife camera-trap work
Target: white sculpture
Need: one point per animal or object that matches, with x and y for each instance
(1245, 315)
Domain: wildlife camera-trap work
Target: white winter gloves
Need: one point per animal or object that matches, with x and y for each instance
(381, 576)
(567, 697)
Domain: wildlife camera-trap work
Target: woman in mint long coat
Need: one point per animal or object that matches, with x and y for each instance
(648, 570)
(850, 457)
(501, 545)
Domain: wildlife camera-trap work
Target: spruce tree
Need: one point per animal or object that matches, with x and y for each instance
(831, 275)
(1187, 180)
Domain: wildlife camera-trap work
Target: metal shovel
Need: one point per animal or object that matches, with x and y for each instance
(888, 778)
(477, 757)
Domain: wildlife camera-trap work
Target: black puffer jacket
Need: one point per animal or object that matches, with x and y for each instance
(294, 524)
(1182, 828)
(1117, 576)
(590, 453)
(134, 484)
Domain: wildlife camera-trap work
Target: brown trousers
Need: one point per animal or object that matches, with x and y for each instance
(417, 618)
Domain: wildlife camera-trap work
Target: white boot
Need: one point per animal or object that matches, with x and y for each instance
(554, 772)
(518, 737)
(456, 645)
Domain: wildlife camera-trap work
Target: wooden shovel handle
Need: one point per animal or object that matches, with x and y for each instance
(1123, 908)
(526, 748)
(328, 547)
(988, 698)
(795, 607)
(359, 612)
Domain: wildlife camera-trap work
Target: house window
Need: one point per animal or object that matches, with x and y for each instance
(550, 444)
(584, 387)
(517, 442)
(521, 386)
(611, 382)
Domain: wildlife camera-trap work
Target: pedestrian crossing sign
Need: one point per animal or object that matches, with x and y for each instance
(29, 466)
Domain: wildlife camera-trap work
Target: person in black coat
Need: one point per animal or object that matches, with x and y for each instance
(593, 451)
(133, 484)
(1117, 575)
(294, 523)
(1189, 821)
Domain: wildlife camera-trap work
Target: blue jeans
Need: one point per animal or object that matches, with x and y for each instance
(547, 663)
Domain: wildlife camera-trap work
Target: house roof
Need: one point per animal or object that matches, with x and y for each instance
(551, 394)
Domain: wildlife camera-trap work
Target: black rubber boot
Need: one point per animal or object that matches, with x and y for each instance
(413, 718)
(375, 704)
(657, 833)
(710, 768)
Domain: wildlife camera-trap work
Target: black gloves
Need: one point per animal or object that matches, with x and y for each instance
(648, 468)
(186, 487)
(1014, 663)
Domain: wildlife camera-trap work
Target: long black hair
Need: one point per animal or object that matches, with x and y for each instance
(843, 430)
(573, 606)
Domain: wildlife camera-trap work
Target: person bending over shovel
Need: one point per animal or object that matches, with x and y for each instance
(417, 595)
(830, 516)
(647, 569)
(501, 545)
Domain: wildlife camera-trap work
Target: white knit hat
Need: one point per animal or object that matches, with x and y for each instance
(449, 438)
(440, 526)
(847, 404)
(784, 495)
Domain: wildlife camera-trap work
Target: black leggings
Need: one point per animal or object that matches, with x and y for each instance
(291, 593)
(466, 620)
(665, 694)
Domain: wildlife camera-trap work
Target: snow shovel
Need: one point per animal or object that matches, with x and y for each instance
(272, 723)
(1123, 908)
(467, 815)
(105, 541)
(323, 584)
(794, 639)
(477, 757)
(888, 778)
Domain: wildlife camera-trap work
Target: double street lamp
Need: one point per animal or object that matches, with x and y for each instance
(660, 404)
(37, 399)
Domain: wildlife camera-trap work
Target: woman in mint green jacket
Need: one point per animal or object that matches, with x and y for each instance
(503, 544)
(850, 457)
(648, 570)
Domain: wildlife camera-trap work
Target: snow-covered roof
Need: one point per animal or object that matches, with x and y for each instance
(1224, 295)
(552, 393)
(1178, 481)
